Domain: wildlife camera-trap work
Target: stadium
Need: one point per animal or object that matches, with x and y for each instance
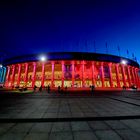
(70, 69)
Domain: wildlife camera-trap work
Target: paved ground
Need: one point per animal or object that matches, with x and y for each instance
(103, 115)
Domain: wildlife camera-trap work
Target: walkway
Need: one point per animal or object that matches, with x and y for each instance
(41, 116)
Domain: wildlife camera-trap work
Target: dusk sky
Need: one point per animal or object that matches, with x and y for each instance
(37, 26)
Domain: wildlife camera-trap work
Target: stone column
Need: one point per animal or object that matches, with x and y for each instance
(93, 72)
(133, 71)
(7, 74)
(102, 74)
(83, 75)
(13, 75)
(110, 73)
(138, 80)
(129, 76)
(123, 74)
(73, 74)
(26, 72)
(62, 78)
(43, 74)
(133, 75)
(19, 73)
(52, 80)
(117, 75)
(34, 74)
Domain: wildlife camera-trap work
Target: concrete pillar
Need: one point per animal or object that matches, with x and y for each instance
(43, 74)
(8, 73)
(73, 73)
(83, 73)
(34, 74)
(102, 74)
(129, 76)
(62, 78)
(110, 73)
(52, 80)
(117, 75)
(13, 75)
(133, 71)
(19, 73)
(26, 73)
(123, 74)
(93, 72)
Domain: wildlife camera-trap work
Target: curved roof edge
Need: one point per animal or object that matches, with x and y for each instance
(71, 56)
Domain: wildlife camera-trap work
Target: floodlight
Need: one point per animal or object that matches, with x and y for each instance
(124, 62)
(43, 58)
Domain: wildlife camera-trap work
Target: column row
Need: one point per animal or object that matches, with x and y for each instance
(129, 74)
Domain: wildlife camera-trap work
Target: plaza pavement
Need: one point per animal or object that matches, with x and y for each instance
(71, 115)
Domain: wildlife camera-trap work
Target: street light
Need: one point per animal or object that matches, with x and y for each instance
(42, 58)
(124, 62)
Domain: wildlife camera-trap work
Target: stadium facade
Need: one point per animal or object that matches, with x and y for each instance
(71, 69)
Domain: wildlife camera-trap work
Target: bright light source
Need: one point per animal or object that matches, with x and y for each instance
(124, 62)
(43, 58)
(0, 65)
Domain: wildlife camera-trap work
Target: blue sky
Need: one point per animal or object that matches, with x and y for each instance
(39, 26)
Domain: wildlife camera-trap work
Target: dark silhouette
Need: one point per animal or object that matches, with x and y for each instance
(48, 88)
(40, 88)
(92, 88)
(35, 88)
(62, 91)
(124, 87)
(66, 88)
(17, 87)
(134, 87)
(59, 88)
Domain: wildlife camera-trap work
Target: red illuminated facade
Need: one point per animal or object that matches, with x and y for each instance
(72, 72)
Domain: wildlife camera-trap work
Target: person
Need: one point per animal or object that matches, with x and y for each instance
(66, 87)
(35, 88)
(92, 88)
(40, 88)
(48, 88)
(124, 87)
(25, 88)
(59, 89)
(134, 87)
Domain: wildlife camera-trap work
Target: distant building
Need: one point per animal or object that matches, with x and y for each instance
(71, 69)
